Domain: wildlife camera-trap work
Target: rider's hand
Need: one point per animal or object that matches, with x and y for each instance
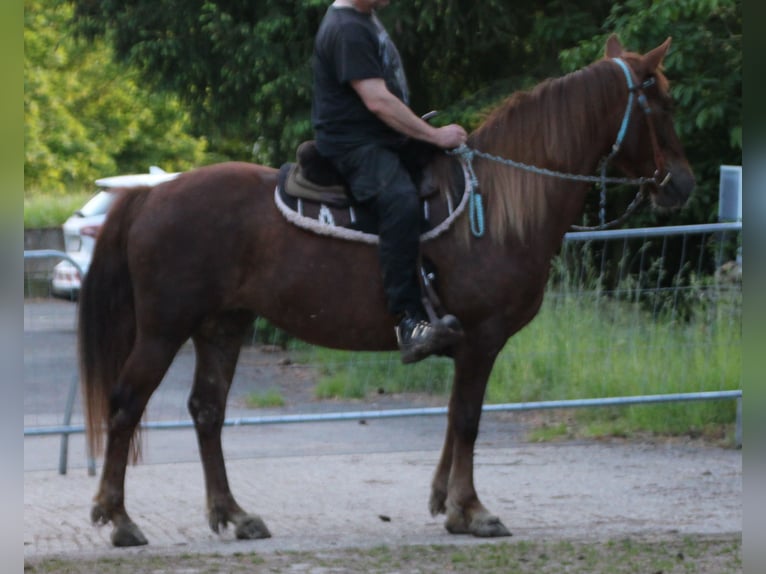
(450, 136)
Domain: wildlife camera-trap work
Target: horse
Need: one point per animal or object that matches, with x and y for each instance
(200, 256)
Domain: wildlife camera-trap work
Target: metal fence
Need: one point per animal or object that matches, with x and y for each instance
(676, 275)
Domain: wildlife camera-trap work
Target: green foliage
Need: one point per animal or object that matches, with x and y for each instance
(87, 117)
(51, 209)
(704, 66)
(243, 69)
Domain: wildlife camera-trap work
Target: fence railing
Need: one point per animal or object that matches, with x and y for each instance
(670, 272)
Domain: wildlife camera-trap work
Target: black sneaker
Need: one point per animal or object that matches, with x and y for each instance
(419, 339)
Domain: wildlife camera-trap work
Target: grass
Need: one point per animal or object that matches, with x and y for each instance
(670, 555)
(588, 345)
(268, 399)
(357, 374)
(578, 348)
(51, 210)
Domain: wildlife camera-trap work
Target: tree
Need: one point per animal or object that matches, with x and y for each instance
(87, 117)
(244, 67)
(241, 67)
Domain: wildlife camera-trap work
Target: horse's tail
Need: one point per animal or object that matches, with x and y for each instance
(106, 330)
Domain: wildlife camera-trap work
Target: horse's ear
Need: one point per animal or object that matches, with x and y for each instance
(613, 48)
(653, 59)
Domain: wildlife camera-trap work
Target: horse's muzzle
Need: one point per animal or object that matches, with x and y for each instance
(674, 188)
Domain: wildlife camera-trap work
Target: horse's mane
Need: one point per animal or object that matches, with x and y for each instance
(554, 125)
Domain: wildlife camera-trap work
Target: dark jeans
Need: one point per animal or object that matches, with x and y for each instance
(378, 178)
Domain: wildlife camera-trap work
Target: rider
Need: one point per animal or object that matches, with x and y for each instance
(362, 123)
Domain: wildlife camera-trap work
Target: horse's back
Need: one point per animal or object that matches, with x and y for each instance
(194, 234)
(206, 198)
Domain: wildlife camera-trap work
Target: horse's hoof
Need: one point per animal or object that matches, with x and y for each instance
(128, 535)
(251, 528)
(483, 525)
(437, 503)
(489, 527)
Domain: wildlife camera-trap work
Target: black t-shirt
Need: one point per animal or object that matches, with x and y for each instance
(351, 45)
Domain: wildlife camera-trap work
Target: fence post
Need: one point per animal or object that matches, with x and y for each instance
(738, 427)
(64, 451)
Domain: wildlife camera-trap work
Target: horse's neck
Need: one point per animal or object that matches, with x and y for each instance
(552, 204)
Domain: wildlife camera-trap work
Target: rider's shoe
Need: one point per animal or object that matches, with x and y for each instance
(418, 338)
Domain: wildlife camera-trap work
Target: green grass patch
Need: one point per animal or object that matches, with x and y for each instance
(263, 400)
(548, 433)
(586, 348)
(588, 345)
(356, 375)
(51, 210)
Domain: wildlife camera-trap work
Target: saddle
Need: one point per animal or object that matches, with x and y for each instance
(314, 178)
(315, 191)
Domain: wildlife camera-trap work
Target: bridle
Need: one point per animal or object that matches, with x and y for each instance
(635, 91)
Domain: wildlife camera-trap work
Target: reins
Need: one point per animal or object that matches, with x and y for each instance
(467, 155)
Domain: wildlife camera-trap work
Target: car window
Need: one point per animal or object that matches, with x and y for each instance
(97, 205)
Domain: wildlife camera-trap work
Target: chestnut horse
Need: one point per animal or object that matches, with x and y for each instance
(202, 255)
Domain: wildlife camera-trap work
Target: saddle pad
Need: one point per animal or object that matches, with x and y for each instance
(296, 185)
(356, 223)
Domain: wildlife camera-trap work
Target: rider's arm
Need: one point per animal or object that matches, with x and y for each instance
(395, 113)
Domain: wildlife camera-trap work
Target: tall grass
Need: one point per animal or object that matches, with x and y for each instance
(589, 344)
(51, 210)
(588, 347)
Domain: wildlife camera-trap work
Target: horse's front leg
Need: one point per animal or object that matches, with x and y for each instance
(217, 344)
(453, 490)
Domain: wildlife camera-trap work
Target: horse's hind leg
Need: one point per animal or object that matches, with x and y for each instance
(218, 342)
(140, 376)
(438, 502)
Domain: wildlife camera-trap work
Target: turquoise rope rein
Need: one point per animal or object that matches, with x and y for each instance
(475, 203)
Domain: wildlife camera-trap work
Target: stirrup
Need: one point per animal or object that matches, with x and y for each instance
(420, 339)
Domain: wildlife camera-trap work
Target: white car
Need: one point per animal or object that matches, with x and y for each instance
(81, 229)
